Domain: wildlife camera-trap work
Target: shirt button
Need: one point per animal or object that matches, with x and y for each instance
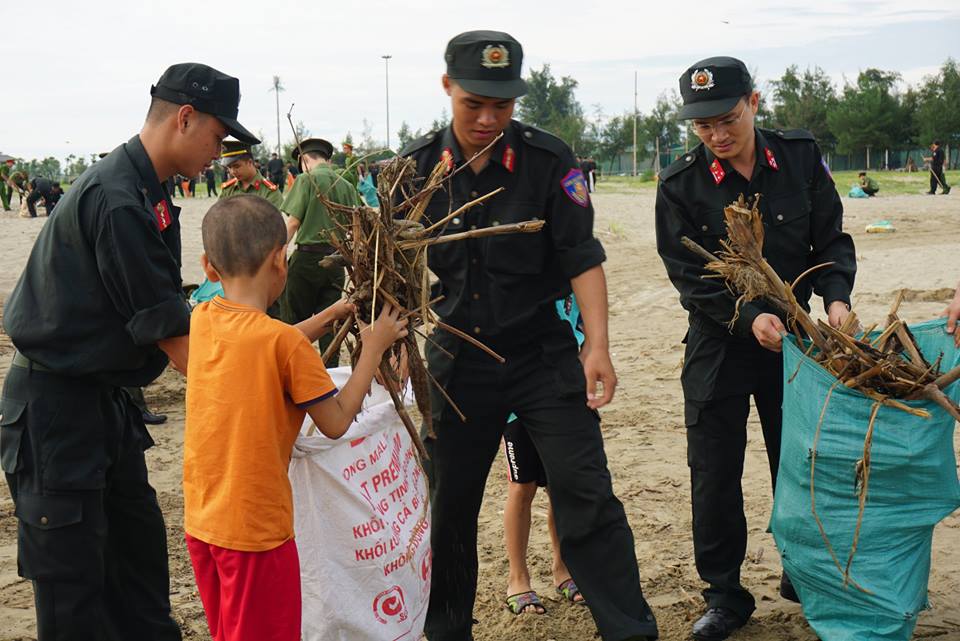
(779, 216)
(456, 221)
(704, 228)
(534, 218)
(476, 330)
(688, 157)
(473, 226)
(474, 194)
(474, 261)
(495, 223)
(44, 520)
(528, 134)
(476, 297)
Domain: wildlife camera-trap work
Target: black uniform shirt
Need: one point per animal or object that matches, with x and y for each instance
(275, 166)
(937, 159)
(102, 284)
(502, 288)
(802, 218)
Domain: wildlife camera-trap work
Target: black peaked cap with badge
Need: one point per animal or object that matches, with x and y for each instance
(713, 86)
(486, 63)
(206, 90)
(319, 145)
(233, 150)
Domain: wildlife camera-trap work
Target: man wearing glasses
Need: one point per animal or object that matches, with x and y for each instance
(733, 353)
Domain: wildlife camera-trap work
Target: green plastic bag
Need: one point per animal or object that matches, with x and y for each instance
(912, 486)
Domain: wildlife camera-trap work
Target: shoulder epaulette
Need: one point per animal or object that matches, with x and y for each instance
(419, 143)
(681, 163)
(229, 183)
(536, 137)
(269, 185)
(794, 134)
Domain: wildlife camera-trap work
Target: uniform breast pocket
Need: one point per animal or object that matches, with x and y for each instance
(788, 222)
(711, 228)
(517, 253)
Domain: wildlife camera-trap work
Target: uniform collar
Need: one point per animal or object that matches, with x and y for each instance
(504, 153)
(719, 168)
(255, 185)
(149, 184)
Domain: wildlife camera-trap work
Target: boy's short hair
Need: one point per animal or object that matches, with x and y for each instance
(240, 232)
(862, 173)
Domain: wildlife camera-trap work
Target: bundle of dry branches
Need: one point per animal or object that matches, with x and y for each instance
(887, 368)
(384, 251)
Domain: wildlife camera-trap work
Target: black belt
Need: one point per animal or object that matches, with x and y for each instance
(316, 248)
(19, 360)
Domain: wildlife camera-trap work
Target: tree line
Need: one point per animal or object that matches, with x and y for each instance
(874, 112)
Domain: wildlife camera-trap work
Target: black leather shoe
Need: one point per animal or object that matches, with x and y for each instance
(787, 591)
(153, 419)
(717, 624)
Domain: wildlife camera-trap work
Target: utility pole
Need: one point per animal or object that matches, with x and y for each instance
(386, 68)
(634, 123)
(276, 89)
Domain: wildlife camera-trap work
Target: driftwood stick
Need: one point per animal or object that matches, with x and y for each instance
(948, 378)
(526, 227)
(443, 221)
(341, 334)
(933, 393)
(470, 339)
(387, 379)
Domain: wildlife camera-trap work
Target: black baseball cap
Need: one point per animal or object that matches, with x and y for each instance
(486, 63)
(206, 90)
(319, 145)
(713, 86)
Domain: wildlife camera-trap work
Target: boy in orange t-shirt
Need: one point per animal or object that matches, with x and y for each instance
(250, 381)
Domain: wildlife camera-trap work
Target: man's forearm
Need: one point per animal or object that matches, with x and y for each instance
(590, 288)
(292, 226)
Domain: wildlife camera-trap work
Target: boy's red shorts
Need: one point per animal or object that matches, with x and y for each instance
(248, 596)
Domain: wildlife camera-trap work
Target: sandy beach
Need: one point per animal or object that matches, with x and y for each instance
(643, 428)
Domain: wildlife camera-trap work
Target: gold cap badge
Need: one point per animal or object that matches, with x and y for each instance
(701, 80)
(495, 57)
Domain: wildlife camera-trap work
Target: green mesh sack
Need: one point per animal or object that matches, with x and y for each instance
(912, 486)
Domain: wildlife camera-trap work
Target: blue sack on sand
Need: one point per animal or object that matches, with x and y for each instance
(857, 192)
(912, 486)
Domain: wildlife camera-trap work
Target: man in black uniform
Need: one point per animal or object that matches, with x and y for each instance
(40, 187)
(98, 307)
(936, 169)
(730, 354)
(275, 170)
(502, 290)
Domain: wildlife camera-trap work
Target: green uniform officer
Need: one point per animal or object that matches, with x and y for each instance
(311, 288)
(5, 190)
(246, 179)
(350, 165)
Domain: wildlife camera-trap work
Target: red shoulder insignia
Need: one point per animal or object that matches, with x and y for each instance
(771, 159)
(269, 185)
(447, 158)
(509, 157)
(716, 170)
(229, 183)
(162, 215)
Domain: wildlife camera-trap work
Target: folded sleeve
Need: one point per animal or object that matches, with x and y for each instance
(140, 275)
(570, 220)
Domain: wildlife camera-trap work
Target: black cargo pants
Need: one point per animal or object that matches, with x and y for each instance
(543, 383)
(727, 372)
(90, 534)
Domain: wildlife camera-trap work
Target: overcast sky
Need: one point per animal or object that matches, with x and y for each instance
(77, 75)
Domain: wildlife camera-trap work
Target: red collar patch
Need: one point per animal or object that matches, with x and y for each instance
(162, 214)
(717, 170)
(771, 160)
(256, 185)
(447, 157)
(509, 158)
